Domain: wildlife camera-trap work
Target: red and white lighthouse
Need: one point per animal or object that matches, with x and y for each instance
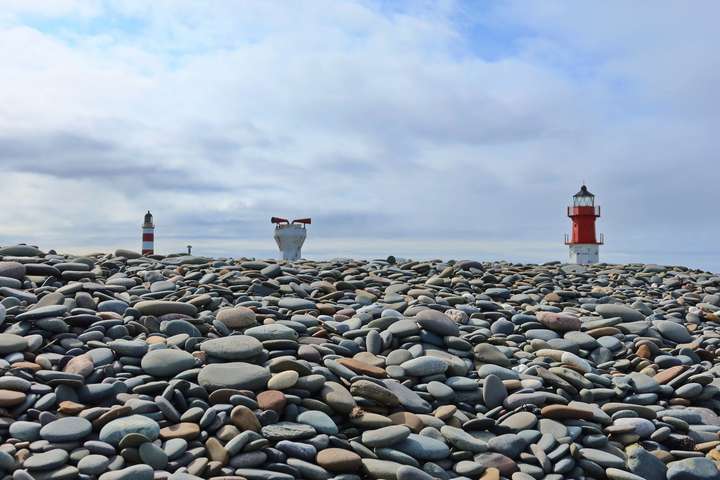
(584, 244)
(148, 235)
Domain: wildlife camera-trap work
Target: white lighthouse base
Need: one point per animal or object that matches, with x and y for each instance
(290, 239)
(584, 253)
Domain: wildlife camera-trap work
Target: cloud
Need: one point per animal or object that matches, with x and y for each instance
(453, 128)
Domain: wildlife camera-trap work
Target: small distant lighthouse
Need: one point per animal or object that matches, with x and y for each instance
(148, 235)
(584, 245)
(290, 236)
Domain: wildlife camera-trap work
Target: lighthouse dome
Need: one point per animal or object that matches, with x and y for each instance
(583, 198)
(148, 220)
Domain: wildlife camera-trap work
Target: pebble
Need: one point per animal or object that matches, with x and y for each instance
(67, 429)
(93, 464)
(494, 391)
(236, 318)
(235, 375)
(162, 307)
(133, 472)
(423, 448)
(437, 322)
(338, 460)
(385, 436)
(167, 362)
(151, 454)
(320, 421)
(46, 460)
(234, 348)
(644, 464)
(115, 430)
(693, 469)
(10, 343)
(424, 366)
(283, 380)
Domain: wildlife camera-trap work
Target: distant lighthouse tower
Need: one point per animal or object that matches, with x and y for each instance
(290, 236)
(148, 235)
(584, 245)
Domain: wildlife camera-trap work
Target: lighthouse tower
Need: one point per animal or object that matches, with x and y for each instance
(290, 236)
(584, 245)
(148, 235)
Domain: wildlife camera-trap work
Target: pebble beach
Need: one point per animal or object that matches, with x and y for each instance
(117, 366)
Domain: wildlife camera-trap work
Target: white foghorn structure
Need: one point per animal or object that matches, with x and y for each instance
(290, 236)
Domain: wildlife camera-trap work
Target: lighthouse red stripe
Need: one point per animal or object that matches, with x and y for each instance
(148, 237)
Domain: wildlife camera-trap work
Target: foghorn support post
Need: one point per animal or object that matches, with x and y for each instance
(290, 236)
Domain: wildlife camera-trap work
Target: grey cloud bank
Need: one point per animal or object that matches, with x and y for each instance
(458, 130)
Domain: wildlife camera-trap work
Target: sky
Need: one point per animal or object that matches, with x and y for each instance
(420, 129)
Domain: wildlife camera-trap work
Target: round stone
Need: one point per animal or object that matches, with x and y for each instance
(385, 436)
(237, 375)
(318, 420)
(628, 314)
(163, 307)
(486, 353)
(244, 418)
(283, 380)
(505, 465)
(11, 398)
(273, 331)
(558, 322)
(424, 366)
(182, 430)
(673, 331)
(423, 448)
(10, 343)
(338, 460)
(49, 460)
(167, 362)
(133, 472)
(407, 472)
(440, 391)
(287, 431)
(14, 270)
(115, 430)
(689, 390)
(337, 397)
(467, 468)
(236, 318)
(26, 431)
(437, 322)
(296, 303)
(67, 429)
(153, 455)
(494, 391)
(235, 347)
(693, 469)
(93, 464)
(272, 400)
(520, 421)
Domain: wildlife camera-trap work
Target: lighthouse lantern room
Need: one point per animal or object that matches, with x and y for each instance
(583, 243)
